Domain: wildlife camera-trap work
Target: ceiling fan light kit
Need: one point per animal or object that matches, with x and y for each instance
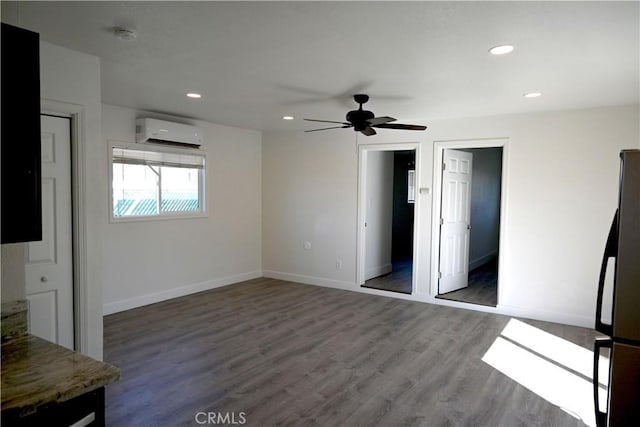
(365, 121)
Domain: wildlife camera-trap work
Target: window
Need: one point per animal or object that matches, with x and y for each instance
(150, 182)
(411, 186)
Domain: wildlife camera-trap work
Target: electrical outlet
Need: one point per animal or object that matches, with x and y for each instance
(338, 264)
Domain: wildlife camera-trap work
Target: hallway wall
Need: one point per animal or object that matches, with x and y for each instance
(485, 205)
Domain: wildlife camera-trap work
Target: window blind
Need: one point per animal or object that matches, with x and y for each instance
(157, 158)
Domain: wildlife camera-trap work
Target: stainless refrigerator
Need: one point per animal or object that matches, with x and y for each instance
(621, 323)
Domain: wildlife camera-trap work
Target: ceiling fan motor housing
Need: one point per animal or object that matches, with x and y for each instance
(358, 118)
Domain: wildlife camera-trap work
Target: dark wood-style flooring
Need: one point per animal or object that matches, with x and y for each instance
(399, 280)
(482, 288)
(291, 354)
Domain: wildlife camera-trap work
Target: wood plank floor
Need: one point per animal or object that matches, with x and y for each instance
(482, 285)
(291, 354)
(482, 288)
(399, 280)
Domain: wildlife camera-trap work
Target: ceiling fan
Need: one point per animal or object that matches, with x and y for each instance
(365, 121)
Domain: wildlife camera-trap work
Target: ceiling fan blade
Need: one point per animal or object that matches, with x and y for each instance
(380, 120)
(368, 131)
(400, 126)
(332, 127)
(327, 121)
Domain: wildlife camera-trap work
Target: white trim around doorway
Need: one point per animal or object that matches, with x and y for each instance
(363, 149)
(78, 175)
(438, 150)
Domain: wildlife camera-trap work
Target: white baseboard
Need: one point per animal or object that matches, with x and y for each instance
(310, 280)
(139, 301)
(482, 260)
(547, 316)
(511, 311)
(377, 271)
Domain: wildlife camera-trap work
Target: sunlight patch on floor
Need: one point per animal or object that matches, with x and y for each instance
(559, 350)
(553, 368)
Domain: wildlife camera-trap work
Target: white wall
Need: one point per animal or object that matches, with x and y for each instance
(379, 217)
(562, 171)
(72, 80)
(149, 261)
(309, 194)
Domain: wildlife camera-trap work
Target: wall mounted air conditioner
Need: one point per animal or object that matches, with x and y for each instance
(161, 131)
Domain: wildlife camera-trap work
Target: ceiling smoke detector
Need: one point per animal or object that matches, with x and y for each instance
(125, 33)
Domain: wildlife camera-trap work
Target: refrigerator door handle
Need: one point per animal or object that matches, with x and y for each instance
(610, 251)
(601, 417)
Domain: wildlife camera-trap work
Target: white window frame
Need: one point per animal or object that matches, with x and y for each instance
(202, 213)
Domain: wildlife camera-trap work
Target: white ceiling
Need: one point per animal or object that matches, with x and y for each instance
(254, 62)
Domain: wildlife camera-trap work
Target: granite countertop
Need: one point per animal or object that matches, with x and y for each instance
(37, 373)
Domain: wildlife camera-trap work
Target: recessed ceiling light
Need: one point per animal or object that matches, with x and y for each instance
(501, 50)
(287, 117)
(194, 95)
(532, 95)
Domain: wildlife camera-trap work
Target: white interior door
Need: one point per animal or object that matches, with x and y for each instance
(48, 263)
(455, 220)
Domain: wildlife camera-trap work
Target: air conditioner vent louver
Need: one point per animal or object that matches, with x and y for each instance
(163, 132)
(169, 142)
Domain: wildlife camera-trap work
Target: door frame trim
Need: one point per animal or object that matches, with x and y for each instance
(438, 155)
(363, 149)
(75, 112)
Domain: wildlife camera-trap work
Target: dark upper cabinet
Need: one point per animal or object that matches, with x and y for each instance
(20, 128)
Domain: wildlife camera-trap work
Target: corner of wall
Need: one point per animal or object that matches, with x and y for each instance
(13, 276)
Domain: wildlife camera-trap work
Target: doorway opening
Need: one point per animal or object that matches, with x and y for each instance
(468, 233)
(387, 210)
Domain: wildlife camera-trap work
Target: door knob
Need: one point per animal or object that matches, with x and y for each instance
(468, 226)
(44, 279)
